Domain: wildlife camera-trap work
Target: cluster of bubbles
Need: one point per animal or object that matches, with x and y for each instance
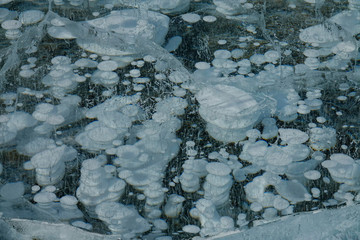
(106, 126)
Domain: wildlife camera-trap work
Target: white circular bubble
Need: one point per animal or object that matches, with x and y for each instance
(303, 109)
(149, 58)
(138, 87)
(191, 229)
(237, 53)
(272, 56)
(222, 54)
(26, 73)
(191, 17)
(31, 16)
(202, 65)
(256, 207)
(344, 86)
(321, 119)
(28, 165)
(341, 98)
(179, 92)
(135, 73)
(107, 66)
(35, 188)
(218, 169)
(11, 24)
(312, 175)
(257, 59)
(209, 19)
(315, 192)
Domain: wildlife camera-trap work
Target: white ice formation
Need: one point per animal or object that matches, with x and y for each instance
(46, 201)
(157, 146)
(105, 74)
(69, 209)
(218, 183)
(279, 159)
(65, 210)
(322, 138)
(231, 7)
(115, 117)
(155, 196)
(345, 170)
(229, 111)
(289, 191)
(194, 169)
(15, 126)
(12, 28)
(96, 185)
(50, 164)
(61, 79)
(31, 17)
(145, 114)
(54, 116)
(165, 6)
(130, 24)
(211, 222)
(174, 206)
(327, 39)
(121, 219)
(270, 129)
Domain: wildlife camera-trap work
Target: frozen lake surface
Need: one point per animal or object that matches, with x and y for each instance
(179, 119)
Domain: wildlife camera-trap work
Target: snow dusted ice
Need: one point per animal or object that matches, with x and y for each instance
(179, 119)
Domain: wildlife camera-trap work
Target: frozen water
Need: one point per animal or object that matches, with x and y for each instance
(12, 191)
(179, 119)
(326, 224)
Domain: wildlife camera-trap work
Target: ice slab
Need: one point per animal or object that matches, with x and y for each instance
(32, 229)
(8, 233)
(342, 223)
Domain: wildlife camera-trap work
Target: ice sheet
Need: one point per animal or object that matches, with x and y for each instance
(342, 223)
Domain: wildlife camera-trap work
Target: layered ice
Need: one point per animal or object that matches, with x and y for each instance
(96, 185)
(122, 220)
(229, 111)
(50, 164)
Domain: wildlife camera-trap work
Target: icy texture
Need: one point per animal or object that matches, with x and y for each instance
(112, 124)
(343, 169)
(11, 191)
(50, 164)
(157, 145)
(229, 111)
(122, 219)
(97, 186)
(55, 231)
(165, 6)
(129, 24)
(232, 7)
(322, 138)
(61, 79)
(190, 178)
(211, 222)
(326, 224)
(218, 183)
(173, 206)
